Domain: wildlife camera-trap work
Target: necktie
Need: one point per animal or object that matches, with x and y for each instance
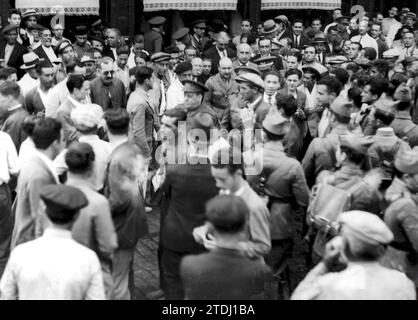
(270, 102)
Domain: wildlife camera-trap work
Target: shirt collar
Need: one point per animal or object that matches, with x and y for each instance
(14, 108)
(57, 233)
(74, 102)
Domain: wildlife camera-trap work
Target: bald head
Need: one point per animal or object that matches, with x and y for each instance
(244, 53)
(225, 68)
(222, 40)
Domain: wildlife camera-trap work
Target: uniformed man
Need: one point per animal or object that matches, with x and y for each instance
(364, 239)
(285, 187)
(402, 215)
(194, 102)
(321, 153)
(220, 87)
(353, 156)
(153, 40)
(199, 40)
(383, 151)
(183, 39)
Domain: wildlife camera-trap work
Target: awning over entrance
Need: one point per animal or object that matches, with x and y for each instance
(300, 4)
(70, 7)
(190, 5)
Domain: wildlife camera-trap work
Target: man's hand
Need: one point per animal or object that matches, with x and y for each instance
(247, 118)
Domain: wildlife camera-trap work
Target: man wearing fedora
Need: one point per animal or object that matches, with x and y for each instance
(11, 51)
(153, 39)
(30, 79)
(283, 31)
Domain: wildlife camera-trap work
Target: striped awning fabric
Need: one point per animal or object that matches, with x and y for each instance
(300, 4)
(190, 5)
(69, 7)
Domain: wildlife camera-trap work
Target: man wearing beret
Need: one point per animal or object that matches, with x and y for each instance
(153, 39)
(402, 215)
(54, 266)
(363, 240)
(10, 50)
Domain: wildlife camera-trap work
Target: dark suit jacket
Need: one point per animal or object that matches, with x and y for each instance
(187, 187)
(153, 42)
(225, 274)
(42, 54)
(13, 126)
(16, 58)
(34, 102)
(303, 40)
(286, 34)
(213, 54)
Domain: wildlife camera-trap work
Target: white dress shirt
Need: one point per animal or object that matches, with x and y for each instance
(310, 97)
(271, 100)
(55, 98)
(366, 41)
(52, 267)
(7, 53)
(175, 94)
(8, 158)
(27, 83)
(27, 150)
(102, 151)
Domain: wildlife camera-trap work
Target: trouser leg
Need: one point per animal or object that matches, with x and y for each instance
(6, 225)
(121, 267)
(173, 288)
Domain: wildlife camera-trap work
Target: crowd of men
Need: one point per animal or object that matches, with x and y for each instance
(281, 149)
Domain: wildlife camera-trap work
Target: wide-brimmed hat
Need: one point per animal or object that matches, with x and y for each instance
(269, 26)
(29, 13)
(29, 61)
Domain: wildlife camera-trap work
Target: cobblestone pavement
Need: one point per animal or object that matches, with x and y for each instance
(145, 264)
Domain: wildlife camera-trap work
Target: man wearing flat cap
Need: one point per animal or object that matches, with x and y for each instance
(12, 51)
(153, 40)
(402, 215)
(199, 40)
(54, 266)
(363, 240)
(161, 82)
(250, 101)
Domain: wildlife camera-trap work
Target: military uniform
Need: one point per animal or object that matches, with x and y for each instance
(219, 93)
(153, 40)
(402, 218)
(360, 280)
(405, 128)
